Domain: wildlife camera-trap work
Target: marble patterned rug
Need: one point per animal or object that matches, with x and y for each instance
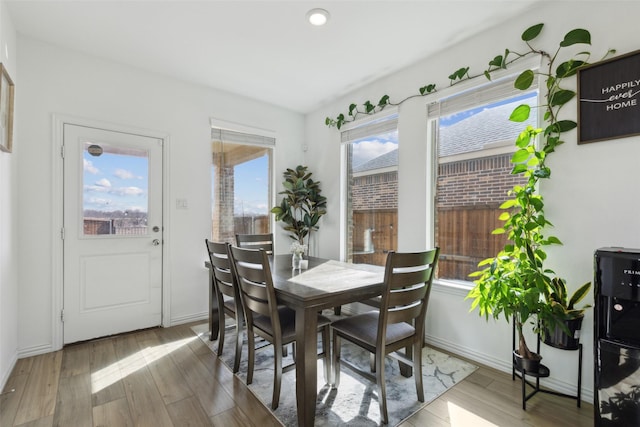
(355, 402)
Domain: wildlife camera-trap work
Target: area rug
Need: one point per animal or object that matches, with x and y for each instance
(355, 402)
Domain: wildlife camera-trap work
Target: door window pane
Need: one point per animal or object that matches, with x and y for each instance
(241, 190)
(115, 190)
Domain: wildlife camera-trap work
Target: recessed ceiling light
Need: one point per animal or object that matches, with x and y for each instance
(318, 17)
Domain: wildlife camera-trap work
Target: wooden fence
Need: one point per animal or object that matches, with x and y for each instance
(464, 237)
(383, 224)
(462, 233)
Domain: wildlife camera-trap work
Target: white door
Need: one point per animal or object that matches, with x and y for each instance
(112, 232)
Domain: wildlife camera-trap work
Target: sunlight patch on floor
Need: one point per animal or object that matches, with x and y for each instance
(460, 417)
(121, 369)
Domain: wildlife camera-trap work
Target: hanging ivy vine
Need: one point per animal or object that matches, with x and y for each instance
(499, 62)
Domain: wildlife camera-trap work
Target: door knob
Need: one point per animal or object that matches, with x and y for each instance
(155, 242)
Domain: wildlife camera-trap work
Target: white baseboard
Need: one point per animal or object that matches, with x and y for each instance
(504, 365)
(5, 375)
(179, 320)
(35, 350)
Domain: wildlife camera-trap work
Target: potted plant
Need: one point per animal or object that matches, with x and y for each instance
(515, 282)
(561, 319)
(302, 205)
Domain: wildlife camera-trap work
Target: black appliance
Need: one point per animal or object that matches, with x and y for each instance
(617, 337)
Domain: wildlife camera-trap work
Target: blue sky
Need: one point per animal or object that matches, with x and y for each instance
(115, 182)
(252, 187)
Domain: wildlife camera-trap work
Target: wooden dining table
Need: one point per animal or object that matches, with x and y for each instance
(324, 284)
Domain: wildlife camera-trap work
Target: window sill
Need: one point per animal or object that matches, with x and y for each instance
(458, 288)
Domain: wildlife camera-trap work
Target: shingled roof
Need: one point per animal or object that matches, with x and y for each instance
(387, 160)
(486, 127)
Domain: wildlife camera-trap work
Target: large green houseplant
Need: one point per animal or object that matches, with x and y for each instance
(515, 283)
(301, 206)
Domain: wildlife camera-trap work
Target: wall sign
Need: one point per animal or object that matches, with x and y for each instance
(609, 99)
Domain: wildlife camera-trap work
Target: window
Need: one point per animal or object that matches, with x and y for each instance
(371, 163)
(240, 184)
(116, 190)
(475, 141)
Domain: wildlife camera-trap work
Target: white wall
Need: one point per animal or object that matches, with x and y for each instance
(60, 81)
(8, 219)
(589, 198)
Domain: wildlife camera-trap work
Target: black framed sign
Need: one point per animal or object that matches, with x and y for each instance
(609, 99)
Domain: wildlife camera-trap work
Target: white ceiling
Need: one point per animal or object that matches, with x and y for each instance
(263, 49)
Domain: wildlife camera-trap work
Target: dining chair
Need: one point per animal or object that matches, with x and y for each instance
(226, 289)
(256, 241)
(265, 318)
(398, 324)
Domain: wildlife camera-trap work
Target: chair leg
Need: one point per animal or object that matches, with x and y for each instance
(236, 360)
(406, 370)
(417, 370)
(372, 362)
(327, 354)
(252, 355)
(336, 360)
(277, 376)
(382, 389)
(221, 331)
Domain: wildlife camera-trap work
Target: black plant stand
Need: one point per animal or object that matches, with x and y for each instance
(543, 372)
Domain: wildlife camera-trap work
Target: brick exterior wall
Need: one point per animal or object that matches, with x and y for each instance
(378, 191)
(480, 181)
(223, 228)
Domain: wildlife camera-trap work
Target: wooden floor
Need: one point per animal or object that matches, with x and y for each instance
(168, 377)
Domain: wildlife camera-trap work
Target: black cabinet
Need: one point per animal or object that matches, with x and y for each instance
(617, 337)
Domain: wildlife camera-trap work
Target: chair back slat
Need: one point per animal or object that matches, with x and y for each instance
(403, 277)
(407, 296)
(256, 241)
(405, 313)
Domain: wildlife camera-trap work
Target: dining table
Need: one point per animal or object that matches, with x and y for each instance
(324, 284)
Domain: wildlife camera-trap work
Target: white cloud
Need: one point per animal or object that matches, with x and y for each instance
(367, 150)
(104, 182)
(250, 207)
(129, 191)
(88, 167)
(96, 188)
(98, 201)
(124, 174)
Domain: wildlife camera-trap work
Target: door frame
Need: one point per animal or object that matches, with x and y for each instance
(57, 205)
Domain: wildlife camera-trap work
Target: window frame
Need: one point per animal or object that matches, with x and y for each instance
(245, 135)
(361, 128)
(434, 110)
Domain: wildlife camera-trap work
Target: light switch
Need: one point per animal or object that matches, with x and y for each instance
(182, 204)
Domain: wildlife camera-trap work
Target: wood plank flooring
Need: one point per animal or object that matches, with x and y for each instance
(168, 377)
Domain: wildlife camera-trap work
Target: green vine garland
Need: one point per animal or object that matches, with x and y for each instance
(499, 62)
